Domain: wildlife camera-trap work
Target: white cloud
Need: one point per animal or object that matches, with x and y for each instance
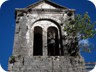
(1, 69)
(1, 2)
(94, 2)
(84, 41)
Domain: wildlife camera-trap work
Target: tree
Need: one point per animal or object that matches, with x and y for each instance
(80, 28)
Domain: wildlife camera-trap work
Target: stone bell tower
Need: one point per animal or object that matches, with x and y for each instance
(39, 44)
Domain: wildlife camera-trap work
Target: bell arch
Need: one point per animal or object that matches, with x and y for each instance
(59, 27)
(45, 24)
(53, 41)
(37, 46)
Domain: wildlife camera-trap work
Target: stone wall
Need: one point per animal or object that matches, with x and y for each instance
(25, 23)
(47, 64)
(23, 60)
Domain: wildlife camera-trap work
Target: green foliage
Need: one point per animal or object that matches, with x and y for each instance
(12, 59)
(82, 25)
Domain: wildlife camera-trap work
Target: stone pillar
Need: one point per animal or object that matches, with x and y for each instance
(31, 40)
(45, 42)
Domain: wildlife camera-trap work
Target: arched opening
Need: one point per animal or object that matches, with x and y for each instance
(53, 41)
(37, 46)
(61, 53)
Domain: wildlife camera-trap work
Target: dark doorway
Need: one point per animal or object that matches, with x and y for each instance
(37, 50)
(53, 42)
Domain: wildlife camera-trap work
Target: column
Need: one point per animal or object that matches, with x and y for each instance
(45, 42)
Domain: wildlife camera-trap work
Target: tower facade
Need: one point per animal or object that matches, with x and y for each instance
(39, 43)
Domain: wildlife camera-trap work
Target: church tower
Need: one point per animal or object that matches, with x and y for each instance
(39, 42)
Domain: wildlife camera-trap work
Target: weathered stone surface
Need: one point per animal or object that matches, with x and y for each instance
(44, 15)
(48, 64)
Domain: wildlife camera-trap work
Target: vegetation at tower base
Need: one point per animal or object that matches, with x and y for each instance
(80, 28)
(12, 59)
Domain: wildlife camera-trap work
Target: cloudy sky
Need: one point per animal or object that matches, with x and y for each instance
(7, 25)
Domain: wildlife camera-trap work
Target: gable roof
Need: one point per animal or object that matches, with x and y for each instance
(35, 6)
(47, 2)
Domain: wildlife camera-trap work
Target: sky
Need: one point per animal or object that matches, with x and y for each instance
(7, 25)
